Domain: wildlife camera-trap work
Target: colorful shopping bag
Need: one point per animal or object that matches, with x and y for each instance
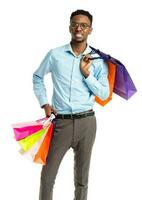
(22, 130)
(123, 84)
(30, 154)
(29, 141)
(36, 145)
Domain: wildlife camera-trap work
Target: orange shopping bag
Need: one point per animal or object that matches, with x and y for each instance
(42, 153)
(111, 79)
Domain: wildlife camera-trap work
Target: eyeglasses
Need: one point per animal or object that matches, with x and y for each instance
(83, 26)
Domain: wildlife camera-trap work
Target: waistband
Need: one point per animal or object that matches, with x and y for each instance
(76, 115)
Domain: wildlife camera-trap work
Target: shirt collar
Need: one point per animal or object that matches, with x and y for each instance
(68, 48)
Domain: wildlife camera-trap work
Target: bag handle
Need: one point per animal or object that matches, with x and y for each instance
(105, 57)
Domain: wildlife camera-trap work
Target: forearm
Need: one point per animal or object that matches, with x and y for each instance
(39, 90)
(99, 87)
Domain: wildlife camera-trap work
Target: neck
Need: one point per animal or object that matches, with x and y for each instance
(78, 47)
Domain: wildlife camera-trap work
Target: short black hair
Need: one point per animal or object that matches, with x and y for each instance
(82, 12)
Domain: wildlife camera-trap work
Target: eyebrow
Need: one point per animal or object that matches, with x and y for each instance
(81, 23)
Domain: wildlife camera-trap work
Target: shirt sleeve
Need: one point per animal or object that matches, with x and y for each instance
(38, 79)
(99, 84)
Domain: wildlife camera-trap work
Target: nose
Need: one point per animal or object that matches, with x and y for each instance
(78, 27)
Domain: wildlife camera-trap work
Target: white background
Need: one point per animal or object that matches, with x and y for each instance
(29, 29)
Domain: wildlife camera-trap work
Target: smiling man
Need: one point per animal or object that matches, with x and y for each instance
(76, 80)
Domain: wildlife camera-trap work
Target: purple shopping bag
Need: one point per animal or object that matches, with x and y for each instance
(123, 85)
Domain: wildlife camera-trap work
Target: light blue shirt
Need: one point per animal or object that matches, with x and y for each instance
(72, 92)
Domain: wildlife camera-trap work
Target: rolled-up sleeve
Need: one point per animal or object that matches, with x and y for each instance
(38, 79)
(99, 84)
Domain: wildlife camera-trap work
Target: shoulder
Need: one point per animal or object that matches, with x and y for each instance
(56, 53)
(58, 49)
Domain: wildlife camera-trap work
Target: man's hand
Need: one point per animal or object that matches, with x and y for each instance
(85, 64)
(49, 109)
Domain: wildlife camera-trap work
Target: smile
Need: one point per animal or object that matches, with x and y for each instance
(78, 35)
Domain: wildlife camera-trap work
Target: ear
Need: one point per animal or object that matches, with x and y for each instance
(90, 31)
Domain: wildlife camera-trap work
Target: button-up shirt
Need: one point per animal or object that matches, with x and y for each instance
(72, 92)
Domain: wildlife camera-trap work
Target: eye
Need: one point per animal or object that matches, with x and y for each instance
(84, 26)
(73, 24)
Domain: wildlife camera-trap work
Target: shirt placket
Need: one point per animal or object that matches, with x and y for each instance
(72, 82)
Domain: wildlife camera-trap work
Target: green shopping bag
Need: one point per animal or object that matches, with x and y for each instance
(29, 141)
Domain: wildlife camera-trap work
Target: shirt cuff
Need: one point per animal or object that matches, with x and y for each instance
(91, 81)
(43, 101)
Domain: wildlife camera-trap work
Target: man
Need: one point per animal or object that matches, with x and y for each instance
(76, 80)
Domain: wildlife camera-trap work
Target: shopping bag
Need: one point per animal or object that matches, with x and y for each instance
(123, 84)
(42, 153)
(36, 145)
(29, 141)
(30, 154)
(22, 130)
(111, 80)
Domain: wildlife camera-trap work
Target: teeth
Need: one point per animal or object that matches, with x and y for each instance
(78, 35)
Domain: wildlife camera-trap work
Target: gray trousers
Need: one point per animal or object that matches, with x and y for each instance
(78, 134)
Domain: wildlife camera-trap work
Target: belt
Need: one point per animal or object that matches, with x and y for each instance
(76, 115)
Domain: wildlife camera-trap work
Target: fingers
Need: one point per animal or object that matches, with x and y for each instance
(86, 62)
(47, 113)
(53, 110)
(87, 58)
(49, 110)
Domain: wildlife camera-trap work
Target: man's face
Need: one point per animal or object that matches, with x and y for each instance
(80, 28)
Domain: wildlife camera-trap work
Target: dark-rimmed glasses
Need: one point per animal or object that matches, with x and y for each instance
(83, 26)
